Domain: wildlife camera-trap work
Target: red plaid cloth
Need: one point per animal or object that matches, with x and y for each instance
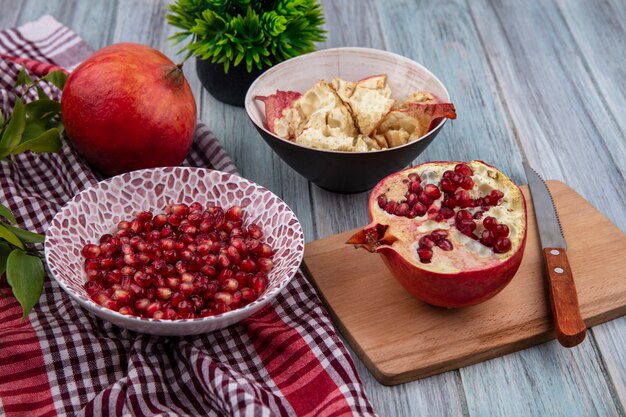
(286, 360)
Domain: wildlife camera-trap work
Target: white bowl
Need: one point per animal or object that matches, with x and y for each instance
(98, 209)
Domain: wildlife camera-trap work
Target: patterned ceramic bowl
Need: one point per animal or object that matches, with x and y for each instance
(344, 172)
(97, 210)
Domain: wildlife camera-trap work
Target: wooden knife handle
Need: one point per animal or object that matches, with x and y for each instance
(570, 327)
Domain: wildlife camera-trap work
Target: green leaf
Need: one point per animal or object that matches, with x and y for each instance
(25, 275)
(10, 237)
(24, 235)
(5, 250)
(13, 133)
(57, 78)
(6, 213)
(1, 121)
(41, 94)
(42, 110)
(49, 141)
(32, 130)
(23, 78)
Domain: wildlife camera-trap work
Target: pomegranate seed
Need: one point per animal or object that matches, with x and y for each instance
(495, 196)
(490, 222)
(179, 209)
(92, 287)
(91, 264)
(152, 308)
(248, 295)
(188, 229)
(233, 255)
(179, 296)
(223, 297)
(170, 314)
(462, 199)
(402, 209)
(390, 207)
(174, 220)
(501, 230)
(426, 242)
(447, 174)
(425, 199)
(463, 214)
(487, 238)
(186, 288)
(195, 206)
(106, 238)
(445, 244)
(194, 219)
(184, 309)
(230, 285)
(234, 213)
(265, 264)
(382, 201)
(448, 202)
(90, 251)
(259, 281)
(463, 169)
(446, 213)
(419, 209)
(225, 274)
(255, 231)
(113, 277)
(208, 270)
(237, 299)
(467, 183)
(197, 302)
(447, 185)
(142, 279)
(466, 224)
(502, 245)
(158, 315)
(248, 265)
(266, 251)
(415, 187)
(172, 282)
(432, 191)
(121, 296)
(94, 274)
(142, 304)
(425, 254)
(439, 234)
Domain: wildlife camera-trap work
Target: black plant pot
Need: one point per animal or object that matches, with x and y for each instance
(228, 88)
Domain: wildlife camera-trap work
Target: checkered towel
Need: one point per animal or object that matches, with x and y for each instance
(285, 360)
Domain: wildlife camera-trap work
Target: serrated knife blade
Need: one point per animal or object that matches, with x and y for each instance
(550, 231)
(570, 327)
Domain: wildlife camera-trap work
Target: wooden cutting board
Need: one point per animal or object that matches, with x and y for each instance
(402, 339)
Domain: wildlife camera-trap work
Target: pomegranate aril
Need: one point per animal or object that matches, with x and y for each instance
(208, 270)
(446, 213)
(463, 215)
(487, 238)
(490, 222)
(390, 207)
(266, 251)
(158, 315)
(255, 231)
(265, 264)
(501, 230)
(142, 279)
(419, 209)
(230, 285)
(186, 288)
(425, 254)
(152, 308)
(248, 294)
(142, 304)
(448, 186)
(439, 234)
(426, 242)
(502, 245)
(425, 199)
(445, 244)
(467, 183)
(462, 199)
(234, 213)
(122, 297)
(259, 281)
(90, 251)
(223, 297)
(402, 210)
(463, 169)
(92, 287)
(248, 265)
(415, 187)
(195, 206)
(432, 191)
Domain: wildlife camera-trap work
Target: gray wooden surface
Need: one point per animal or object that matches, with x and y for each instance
(541, 80)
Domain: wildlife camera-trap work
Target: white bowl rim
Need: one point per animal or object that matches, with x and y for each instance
(349, 49)
(164, 322)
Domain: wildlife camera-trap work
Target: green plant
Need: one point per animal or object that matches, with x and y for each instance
(35, 126)
(261, 33)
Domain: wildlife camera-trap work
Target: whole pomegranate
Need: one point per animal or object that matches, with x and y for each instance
(452, 233)
(129, 107)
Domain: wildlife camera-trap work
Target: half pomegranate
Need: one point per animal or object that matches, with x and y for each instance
(452, 233)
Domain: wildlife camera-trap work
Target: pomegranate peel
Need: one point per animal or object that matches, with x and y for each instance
(275, 104)
(453, 255)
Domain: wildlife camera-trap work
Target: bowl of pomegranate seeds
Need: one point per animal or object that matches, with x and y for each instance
(175, 250)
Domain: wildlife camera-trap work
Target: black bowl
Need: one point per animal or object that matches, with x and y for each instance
(344, 172)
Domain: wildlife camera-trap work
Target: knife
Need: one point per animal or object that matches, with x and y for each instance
(570, 327)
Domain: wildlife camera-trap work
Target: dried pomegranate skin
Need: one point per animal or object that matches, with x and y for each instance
(439, 285)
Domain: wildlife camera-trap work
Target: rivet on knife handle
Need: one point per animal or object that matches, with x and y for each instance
(570, 327)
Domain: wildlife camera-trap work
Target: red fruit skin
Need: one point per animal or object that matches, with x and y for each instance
(450, 290)
(129, 107)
